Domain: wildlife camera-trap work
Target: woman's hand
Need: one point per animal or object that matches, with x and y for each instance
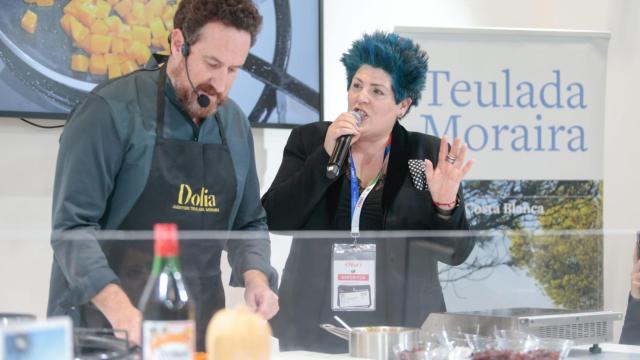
(444, 180)
(345, 124)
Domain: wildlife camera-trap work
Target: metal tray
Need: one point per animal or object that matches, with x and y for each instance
(583, 327)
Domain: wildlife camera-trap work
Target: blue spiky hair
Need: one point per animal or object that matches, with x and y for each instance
(404, 61)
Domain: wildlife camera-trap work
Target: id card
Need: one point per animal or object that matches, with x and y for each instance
(353, 277)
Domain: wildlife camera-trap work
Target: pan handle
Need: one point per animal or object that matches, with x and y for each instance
(339, 332)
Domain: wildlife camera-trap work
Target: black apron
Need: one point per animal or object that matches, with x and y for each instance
(193, 185)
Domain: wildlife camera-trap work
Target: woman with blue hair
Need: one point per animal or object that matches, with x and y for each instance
(393, 179)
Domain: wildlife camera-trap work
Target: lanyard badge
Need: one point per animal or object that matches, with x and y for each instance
(353, 266)
(353, 281)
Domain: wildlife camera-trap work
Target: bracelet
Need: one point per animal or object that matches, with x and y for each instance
(449, 205)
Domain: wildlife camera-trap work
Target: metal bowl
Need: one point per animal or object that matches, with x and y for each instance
(376, 342)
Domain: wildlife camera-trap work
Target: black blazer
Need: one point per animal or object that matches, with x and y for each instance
(631, 327)
(302, 198)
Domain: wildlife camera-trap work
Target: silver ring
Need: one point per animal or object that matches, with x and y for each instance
(450, 158)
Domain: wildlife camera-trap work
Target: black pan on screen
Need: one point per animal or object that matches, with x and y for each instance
(42, 60)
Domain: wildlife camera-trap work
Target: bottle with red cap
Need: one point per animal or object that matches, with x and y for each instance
(168, 325)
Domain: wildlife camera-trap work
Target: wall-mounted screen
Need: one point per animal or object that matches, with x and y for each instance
(52, 52)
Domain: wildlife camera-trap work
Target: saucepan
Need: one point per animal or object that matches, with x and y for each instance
(376, 342)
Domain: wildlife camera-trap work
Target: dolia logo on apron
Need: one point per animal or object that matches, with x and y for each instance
(200, 201)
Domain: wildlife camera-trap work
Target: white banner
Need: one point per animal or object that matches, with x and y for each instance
(528, 103)
(530, 106)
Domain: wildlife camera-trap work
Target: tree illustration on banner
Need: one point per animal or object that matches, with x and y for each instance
(536, 218)
(568, 267)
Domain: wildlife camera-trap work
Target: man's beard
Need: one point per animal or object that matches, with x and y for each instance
(189, 99)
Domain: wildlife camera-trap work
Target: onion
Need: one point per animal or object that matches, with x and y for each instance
(238, 334)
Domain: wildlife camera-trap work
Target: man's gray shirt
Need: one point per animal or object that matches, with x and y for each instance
(103, 163)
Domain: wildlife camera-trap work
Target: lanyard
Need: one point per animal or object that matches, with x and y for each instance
(357, 199)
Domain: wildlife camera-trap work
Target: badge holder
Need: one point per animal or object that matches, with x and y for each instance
(353, 277)
(353, 266)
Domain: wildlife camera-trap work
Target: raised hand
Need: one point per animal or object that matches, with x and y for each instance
(444, 180)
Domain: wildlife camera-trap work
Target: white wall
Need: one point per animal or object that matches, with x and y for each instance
(27, 164)
(28, 154)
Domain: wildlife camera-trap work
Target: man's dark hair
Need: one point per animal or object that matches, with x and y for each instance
(192, 15)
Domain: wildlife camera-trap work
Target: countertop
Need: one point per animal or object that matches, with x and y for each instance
(305, 355)
(609, 352)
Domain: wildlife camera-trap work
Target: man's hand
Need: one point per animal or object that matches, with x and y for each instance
(635, 274)
(116, 307)
(258, 296)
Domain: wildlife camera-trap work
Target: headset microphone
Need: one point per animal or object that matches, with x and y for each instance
(203, 100)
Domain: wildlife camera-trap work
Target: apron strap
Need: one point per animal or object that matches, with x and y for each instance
(221, 130)
(160, 101)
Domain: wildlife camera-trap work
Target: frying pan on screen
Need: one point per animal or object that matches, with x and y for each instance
(42, 60)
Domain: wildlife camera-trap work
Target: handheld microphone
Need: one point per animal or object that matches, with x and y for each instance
(336, 161)
(203, 100)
